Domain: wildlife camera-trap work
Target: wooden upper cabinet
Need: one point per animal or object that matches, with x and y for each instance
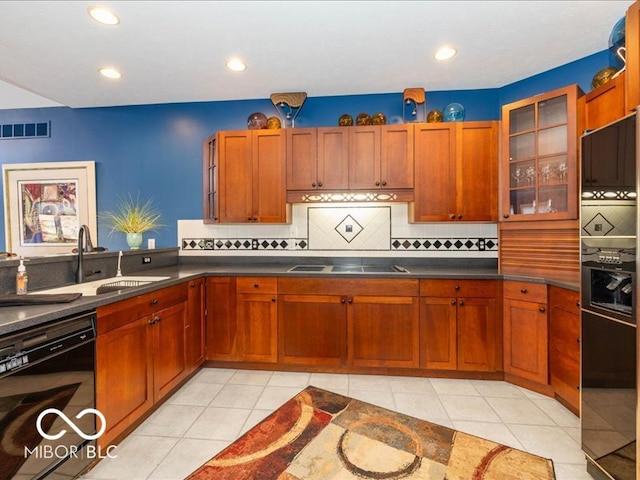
(477, 171)
(604, 104)
(317, 159)
(632, 45)
(381, 157)
(435, 172)
(251, 176)
(456, 171)
(539, 175)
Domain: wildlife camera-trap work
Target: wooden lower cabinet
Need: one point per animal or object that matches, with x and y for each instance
(526, 331)
(195, 326)
(338, 322)
(312, 329)
(140, 356)
(221, 319)
(460, 332)
(257, 319)
(383, 331)
(564, 346)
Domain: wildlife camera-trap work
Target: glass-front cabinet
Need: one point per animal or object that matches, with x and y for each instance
(539, 177)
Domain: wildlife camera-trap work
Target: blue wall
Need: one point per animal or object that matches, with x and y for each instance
(156, 150)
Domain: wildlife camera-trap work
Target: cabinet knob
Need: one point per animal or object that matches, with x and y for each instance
(459, 217)
(313, 184)
(578, 304)
(505, 215)
(256, 285)
(377, 184)
(384, 184)
(350, 300)
(248, 219)
(523, 290)
(452, 216)
(193, 285)
(343, 300)
(453, 302)
(255, 219)
(319, 184)
(273, 299)
(154, 301)
(457, 287)
(542, 309)
(461, 303)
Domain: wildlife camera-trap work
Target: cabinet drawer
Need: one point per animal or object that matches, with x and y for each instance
(525, 291)
(257, 285)
(564, 299)
(457, 288)
(120, 313)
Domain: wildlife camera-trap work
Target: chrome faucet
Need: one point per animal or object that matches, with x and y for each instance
(83, 246)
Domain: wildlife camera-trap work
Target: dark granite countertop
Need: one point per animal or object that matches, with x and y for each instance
(15, 318)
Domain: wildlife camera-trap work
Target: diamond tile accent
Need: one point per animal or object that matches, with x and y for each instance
(598, 226)
(349, 228)
(443, 244)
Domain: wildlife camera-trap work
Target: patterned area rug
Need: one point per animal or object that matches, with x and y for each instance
(324, 436)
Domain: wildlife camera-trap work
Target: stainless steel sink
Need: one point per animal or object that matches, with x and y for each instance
(348, 269)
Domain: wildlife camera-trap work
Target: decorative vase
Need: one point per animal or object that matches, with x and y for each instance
(134, 240)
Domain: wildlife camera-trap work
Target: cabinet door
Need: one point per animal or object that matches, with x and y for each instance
(476, 171)
(364, 157)
(235, 185)
(632, 45)
(257, 327)
(170, 361)
(438, 333)
(604, 104)
(333, 158)
(210, 180)
(525, 340)
(477, 334)
(435, 153)
(396, 157)
(221, 319)
(302, 164)
(539, 179)
(124, 376)
(564, 345)
(383, 331)
(269, 177)
(195, 326)
(312, 329)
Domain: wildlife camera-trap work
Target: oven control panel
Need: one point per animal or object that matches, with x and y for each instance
(609, 257)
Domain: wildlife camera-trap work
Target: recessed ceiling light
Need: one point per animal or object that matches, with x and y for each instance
(445, 53)
(236, 65)
(103, 15)
(110, 72)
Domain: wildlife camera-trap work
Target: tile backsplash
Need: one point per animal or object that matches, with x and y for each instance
(347, 229)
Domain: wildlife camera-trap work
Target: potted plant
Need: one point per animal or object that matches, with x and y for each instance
(133, 218)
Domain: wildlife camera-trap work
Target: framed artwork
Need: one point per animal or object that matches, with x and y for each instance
(45, 204)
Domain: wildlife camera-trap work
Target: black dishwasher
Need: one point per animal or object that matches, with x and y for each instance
(47, 399)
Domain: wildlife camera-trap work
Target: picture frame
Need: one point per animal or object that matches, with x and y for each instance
(45, 204)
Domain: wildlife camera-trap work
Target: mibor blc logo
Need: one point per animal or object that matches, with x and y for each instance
(44, 413)
(70, 451)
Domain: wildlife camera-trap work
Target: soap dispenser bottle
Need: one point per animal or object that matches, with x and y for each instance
(21, 279)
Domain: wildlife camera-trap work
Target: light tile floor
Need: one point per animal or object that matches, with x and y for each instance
(218, 405)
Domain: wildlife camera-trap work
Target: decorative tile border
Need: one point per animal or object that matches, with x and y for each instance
(445, 244)
(244, 244)
(397, 244)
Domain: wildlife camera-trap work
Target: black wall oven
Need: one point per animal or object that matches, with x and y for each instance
(47, 373)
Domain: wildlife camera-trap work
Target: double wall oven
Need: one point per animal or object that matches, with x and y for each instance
(609, 220)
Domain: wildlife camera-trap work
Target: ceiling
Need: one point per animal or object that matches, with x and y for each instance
(175, 51)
